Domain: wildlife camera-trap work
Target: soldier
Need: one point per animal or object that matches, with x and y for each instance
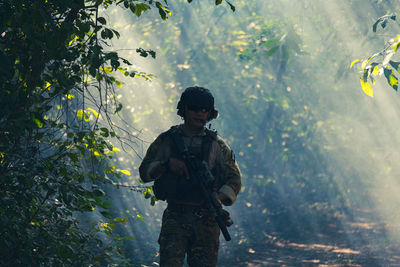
(187, 227)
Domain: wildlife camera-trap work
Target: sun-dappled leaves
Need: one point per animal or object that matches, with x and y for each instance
(367, 88)
(395, 65)
(382, 21)
(126, 172)
(354, 62)
(386, 66)
(391, 78)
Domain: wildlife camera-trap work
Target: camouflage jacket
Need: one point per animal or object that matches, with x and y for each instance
(218, 155)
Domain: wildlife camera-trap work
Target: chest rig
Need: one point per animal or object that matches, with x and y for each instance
(198, 145)
(186, 190)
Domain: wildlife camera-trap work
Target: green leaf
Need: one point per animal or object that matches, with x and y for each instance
(140, 217)
(106, 205)
(106, 214)
(121, 220)
(111, 55)
(116, 33)
(218, 2)
(104, 130)
(391, 78)
(126, 172)
(396, 46)
(364, 64)
(354, 62)
(96, 153)
(70, 96)
(145, 53)
(375, 25)
(103, 34)
(153, 200)
(272, 51)
(367, 88)
(115, 63)
(271, 42)
(109, 33)
(119, 107)
(365, 75)
(80, 114)
(95, 113)
(395, 65)
(147, 193)
(384, 23)
(108, 69)
(163, 11)
(39, 123)
(101, 20)
(138, 9)
(374, 69)
(233, 8)
(93, 71)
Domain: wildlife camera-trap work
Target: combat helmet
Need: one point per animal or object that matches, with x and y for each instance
(200, 97)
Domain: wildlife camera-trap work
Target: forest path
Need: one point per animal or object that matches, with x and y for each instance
(359, 242)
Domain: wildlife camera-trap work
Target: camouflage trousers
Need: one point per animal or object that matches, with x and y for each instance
(188, 232)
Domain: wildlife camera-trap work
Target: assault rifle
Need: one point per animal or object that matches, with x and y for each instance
(203, 177)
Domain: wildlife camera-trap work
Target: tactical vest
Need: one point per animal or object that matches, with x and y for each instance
(175, 188)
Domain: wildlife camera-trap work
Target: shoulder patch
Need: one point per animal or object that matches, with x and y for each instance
(226, 150)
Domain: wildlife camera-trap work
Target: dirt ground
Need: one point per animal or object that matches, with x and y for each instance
(359, 242)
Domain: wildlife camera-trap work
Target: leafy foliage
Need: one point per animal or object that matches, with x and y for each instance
(381, 62)
(57, 119)
(58, 116)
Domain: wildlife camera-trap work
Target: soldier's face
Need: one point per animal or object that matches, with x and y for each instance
(195, 116)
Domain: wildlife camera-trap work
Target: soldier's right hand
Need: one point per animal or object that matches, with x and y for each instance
(178, 167)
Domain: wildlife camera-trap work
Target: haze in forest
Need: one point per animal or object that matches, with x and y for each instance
(305, 135)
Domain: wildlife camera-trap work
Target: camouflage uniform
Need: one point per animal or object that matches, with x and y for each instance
(186, 225)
